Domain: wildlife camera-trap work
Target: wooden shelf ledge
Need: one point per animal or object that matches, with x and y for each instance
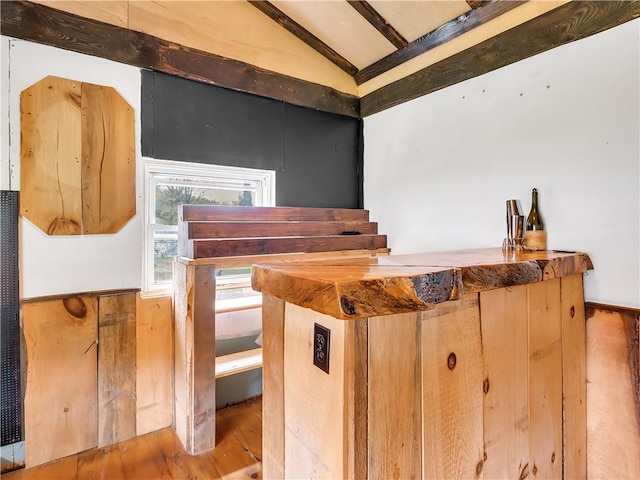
(238, 362)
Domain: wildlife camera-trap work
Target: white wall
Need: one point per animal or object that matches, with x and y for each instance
(67, 264)
(438, 170)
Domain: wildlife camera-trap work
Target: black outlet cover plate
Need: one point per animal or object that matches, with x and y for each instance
(321, 343)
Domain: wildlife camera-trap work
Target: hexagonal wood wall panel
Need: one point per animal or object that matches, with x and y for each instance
(77, 157)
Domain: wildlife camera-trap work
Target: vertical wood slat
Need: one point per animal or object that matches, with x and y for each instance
(452, 379)
(394, 400)
(183, 297)
(50, 172)
(108, 160)
(194, 371)
(116, 368)
(613, 434)
(315, 422)
(357, 398)
(545, 379)
(154, 363)
(574, 382)
(61, 399)
(272, 386)
(504, 325)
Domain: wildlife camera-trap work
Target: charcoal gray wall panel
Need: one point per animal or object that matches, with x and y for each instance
(316, 155)
(321, 160)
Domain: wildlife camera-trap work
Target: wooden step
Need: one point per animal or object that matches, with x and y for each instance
(191, 213)
(262, 246)
(238, 362)
(237, 229)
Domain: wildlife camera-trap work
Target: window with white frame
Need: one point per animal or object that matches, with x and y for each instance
(170, 184)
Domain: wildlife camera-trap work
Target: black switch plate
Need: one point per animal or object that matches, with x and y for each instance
(321, 342)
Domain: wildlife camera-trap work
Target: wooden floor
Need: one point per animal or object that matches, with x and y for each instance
(160, 455)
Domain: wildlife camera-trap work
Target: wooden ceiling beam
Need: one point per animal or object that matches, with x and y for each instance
(378, 22)
(569, 22)
(303, 34)
(477, 3)
(440, 35)
(49, 26)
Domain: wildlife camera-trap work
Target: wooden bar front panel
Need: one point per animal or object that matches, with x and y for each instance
(489, 386)
(452, 390)
(314, 422)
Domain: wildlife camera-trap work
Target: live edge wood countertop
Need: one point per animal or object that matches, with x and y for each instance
(359, 288)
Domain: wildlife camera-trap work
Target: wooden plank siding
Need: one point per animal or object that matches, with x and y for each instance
(98, 371)
(613, 391)
(116, 368)
(61, 398)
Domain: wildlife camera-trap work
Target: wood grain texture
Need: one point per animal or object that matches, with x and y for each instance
(545, 379)
(160, 455)
(504, 328)
(309, 416)
(303, 34)
(358, 291)
(567, 23)
(183, 339)
(50, 168)
(78, 157)
(285, 258)
(61, 399)
(273, 386)
(53, 27)
(378, 22)
(247, 229)
(613, 434)
(403, 283)
(394, 400)
(108, 160)
(116, 368)
(442, 34)
(267, 246)
(154, 363)
(204, 358)
(574, 381)
(190, 213)
(452, 401)
(357, 399)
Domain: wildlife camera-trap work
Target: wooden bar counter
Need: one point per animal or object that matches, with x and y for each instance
(459, 364)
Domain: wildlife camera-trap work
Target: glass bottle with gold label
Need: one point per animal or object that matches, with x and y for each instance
(536, 235)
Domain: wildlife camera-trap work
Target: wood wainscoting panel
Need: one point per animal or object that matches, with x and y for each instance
(116, 368)
(545, 379)
(273, 386)
(314, 417)
(574, 381)
(61, 399)
(613, 427)
(452, 379)
(395, 384)
(154, 363)
(504, 325)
